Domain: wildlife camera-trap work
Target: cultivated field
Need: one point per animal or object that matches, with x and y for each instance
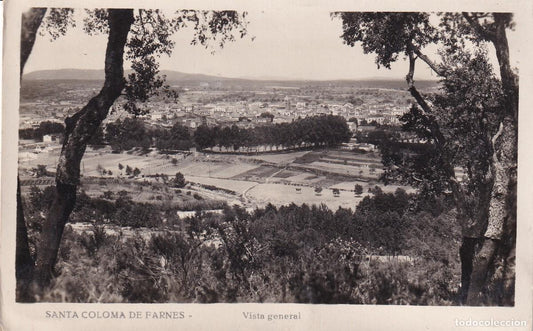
(279, 194)
(248, 180)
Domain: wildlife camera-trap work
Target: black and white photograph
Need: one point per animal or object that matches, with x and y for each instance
(310, 156)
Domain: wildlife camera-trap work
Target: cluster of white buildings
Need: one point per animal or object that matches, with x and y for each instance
(249, 114)
(242, 113)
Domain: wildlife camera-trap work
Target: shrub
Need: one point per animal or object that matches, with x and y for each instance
(179, 180)
(297, 254)
(358, 189)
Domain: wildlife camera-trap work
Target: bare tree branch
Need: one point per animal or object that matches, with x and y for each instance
(434, 66)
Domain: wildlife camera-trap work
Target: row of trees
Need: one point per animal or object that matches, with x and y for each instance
(123, 135)
(178, 137)
(323, 130)
(45, 127)
(131, 132)
(129, 170)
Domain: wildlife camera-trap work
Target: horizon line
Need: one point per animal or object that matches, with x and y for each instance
(243, 78)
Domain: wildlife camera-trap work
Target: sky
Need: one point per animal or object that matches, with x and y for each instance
(288, 44)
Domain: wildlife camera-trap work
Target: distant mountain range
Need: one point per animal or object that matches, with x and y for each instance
(176, 77)
(97, 74)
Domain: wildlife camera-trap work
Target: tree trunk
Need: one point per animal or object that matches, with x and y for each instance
(500, 211)
(79, 130)
(30, 23)
(466, 254)
(24, 263)
(484, 258)
(502, 214)
(507, 287)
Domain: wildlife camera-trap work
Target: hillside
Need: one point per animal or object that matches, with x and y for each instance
(179, 78)
(97, 74)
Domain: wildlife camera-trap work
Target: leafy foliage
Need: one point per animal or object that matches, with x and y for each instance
(466, 112)
(386, 34)
(96, 21)
(179, 180)
(126, 134)
(176, 138)
(326, 130)
(213, 28)
(287, 254)
(57, 22)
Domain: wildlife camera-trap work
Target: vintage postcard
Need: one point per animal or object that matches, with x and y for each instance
(266, 165)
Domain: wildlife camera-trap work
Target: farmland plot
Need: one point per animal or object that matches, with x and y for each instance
(341, 169)
(306, 178)
(238, 186)
(257, 173)
(281, 158)
(349, 186)
(279, 194)
(278, 178)
(29, 159)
